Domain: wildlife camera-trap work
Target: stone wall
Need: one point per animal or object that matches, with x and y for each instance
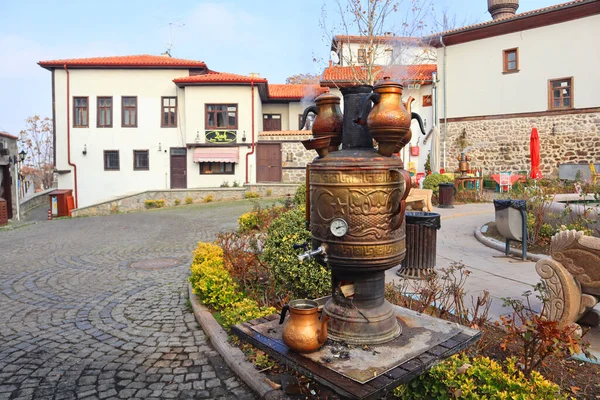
(503, 144)
(136, 201)
(35, 200)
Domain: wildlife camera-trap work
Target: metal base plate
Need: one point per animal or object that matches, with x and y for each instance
(362, 364)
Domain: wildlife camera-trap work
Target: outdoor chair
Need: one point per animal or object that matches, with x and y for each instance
(505, 183)
(593, 174)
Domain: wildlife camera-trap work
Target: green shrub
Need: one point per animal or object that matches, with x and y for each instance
(236, 184)
(154, 203)
(189, 200)
(177, 202)
(208, 198)
(249, 221)
(300, 196)
(225, 184)
(269, 192)
(298, 280)
(252, 195)
(210, 280)
(213, 284)
(243, 311)
(461, 377)
(432, 181)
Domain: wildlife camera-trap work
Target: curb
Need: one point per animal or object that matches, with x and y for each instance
(498, 245)
(235, 359)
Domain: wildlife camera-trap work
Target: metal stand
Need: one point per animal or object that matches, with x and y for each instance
(524, 242)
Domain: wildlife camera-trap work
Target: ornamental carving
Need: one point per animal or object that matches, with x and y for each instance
(572, 276)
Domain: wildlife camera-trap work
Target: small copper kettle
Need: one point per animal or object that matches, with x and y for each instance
(329, 119)
(389, 121)
(303, 332)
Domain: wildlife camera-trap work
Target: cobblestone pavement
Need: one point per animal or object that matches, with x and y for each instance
(77, 322)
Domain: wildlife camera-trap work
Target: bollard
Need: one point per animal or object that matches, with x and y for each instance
(49, 214)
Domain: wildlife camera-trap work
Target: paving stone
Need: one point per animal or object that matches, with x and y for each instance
(77, 321)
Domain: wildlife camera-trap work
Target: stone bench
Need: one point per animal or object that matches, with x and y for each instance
(419, 199)
(572, 277)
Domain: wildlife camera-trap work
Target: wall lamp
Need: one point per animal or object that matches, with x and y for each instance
(84, 152)
(244, 136)
(290, 157)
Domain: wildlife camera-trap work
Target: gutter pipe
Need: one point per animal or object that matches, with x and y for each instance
(251, 151)
(69, 136)
(445, 103)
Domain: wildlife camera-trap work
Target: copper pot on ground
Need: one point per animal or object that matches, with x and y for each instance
(389, 121)
(303, 332)
(329, 120)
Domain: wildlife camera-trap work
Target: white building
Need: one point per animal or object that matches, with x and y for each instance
(501, 78)
(410, 61)
(133, 123)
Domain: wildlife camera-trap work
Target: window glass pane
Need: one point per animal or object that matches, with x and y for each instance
(231, 108)
(231, 119)
(556, 84)
(567, 102)
(126, 119)
(557, 103)
(557, 93)
(512, 65)
(220, 121)
(512, 56)
(211, 119)
(102, 119)
(565, 92)
(229, 167)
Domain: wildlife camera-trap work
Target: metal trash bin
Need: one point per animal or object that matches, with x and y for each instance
(446, 195)
(511, 222)
(421, 240)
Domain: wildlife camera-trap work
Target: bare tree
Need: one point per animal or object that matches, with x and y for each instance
(380, 27)
(37, 141)
(304, 79)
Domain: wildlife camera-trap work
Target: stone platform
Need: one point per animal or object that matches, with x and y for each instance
(366, 372)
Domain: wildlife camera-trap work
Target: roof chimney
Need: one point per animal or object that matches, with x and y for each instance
(254, 74)
(503, 8)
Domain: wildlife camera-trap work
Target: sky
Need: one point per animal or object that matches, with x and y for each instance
(275, 38)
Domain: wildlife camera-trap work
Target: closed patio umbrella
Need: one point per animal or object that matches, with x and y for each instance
(534, 152)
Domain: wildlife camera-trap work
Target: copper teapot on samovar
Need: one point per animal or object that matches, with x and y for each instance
(389, 120)
(329, 119)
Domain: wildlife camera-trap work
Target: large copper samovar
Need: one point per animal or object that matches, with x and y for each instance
(356, 215)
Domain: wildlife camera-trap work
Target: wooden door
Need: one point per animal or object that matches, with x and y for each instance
(268, 162)
(178, 168)
(7, 189)
(271, 122)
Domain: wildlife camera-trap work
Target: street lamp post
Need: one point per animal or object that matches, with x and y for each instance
(21, 158)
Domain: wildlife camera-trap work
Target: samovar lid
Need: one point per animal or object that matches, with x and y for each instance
(387, 82)
(326, 98)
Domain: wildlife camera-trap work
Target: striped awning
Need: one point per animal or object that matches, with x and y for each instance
(213, 154)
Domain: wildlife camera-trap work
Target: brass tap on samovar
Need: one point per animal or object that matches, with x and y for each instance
(356, 209)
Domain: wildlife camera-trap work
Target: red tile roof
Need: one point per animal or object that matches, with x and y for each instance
(8, 135)
(218, 77)
(136, 61)
(515, 17)
(376, 39)
(421, 72)
(295, 91)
